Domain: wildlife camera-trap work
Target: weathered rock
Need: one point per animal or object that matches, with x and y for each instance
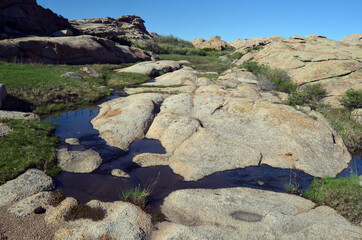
(337, 66)
(2, 94)
(119, 173)
(55, 215)
(63, 33)
(122, 221)
(353, 39)
(206, 133)
(123, 120)
(70, 50)
(26, 206)
(215, 42)
(241, 45)
(243, 213)
(25, 17)
(4, 129)
(179, 77)
(152, 68)
(129, 27)
(357, 115)
(78, 161)
(31, 182)
(90, 72)
(17, 115)
(72, 141)
(165, 90)
(72, 75)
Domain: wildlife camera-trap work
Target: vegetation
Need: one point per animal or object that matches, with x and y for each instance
(237, 55)
(84, 211)
(352, 99)
(342, 194)
(57, 198)
(256, 48)
(341, 121)
(136, 196)
(308, 95)
(123, 79)
(29, 144)
(271, 78)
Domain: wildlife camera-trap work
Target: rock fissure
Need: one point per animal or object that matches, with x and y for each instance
(337, 76)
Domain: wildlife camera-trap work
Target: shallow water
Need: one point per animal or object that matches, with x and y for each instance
(102, 186)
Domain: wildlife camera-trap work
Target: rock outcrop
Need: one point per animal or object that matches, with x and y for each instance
(215, 42)
(128, 27)
(315, 59)
(242, 213)
(18, 115)
(19, 18)
(353, 39)
(241, 45)
(152, 68)
(70, 50)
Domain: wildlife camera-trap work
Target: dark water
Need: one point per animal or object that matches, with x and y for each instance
(102, 186)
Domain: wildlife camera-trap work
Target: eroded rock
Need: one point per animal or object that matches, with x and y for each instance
(26, 206)
(18, 115)
(241, 45)
(119, 173)
(72, 75)
(78, 161)
(214, 42)
(152, 68)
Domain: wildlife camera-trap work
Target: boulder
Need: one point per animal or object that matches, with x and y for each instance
(130, 27)
(78, 161)
(18, 115)
(123, 120)
(335, 65)
(243, 213)
(90, 72)
(4, 129)
(2, 94)
(122, 221)
(119, 173)
(27, 205)
(72, 141)
(226, 129)
(215, 42)
(152, 68)
(70, 50)
(72, 75)
(179, 77)
(241, 45)
(353, 39)
(20, 18)
(31, 182)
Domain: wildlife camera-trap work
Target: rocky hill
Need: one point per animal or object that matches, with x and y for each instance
(129, 27)
(19, 18)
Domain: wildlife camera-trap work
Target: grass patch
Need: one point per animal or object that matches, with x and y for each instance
(29, 145)
(342, 194)
(341, 121)
(84, 211)
(200, 63)
(57, 198)
(352, 99)
(271, 78)
(124, 79)
(136, 196)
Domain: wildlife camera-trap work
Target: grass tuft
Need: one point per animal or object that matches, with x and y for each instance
(57, 198)
(84, 211)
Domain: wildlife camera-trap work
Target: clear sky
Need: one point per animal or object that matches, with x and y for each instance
(230, 19)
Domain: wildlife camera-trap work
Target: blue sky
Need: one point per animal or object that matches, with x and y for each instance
(230, 19)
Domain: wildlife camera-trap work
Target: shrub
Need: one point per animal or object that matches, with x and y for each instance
(352, 99)
(136, 196)
(85, 211)
(237, 55)
(309, 94)
(297, 98)
(342, 194)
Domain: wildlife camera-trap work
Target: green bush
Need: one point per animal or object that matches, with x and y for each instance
(136, 196)
(342, 194)
(315, 92)
(352, 99)
(297, 98)
(237, 55)
(309, 94)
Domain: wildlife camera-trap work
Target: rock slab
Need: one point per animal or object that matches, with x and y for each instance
(78, 161)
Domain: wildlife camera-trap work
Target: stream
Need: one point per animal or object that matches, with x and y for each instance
(101, 185)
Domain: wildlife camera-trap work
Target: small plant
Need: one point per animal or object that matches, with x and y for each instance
(297, 98)
(237, 55)
(342, 194)
(352, 99)
(292, 189)
(57, 198)
(85, 211)
(308, 95)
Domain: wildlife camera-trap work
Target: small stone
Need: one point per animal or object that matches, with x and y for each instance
(72, 75)
(72, 141)
(4, 129)
(18, 115)
(39, 210)
(119, 173)
(90, 72)
(78, 161)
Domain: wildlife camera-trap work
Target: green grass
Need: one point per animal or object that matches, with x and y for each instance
(342, 194)
(200, 63)
(29, 145)
(84, 211)
(123, 79)
(136, 196)
(341, 121)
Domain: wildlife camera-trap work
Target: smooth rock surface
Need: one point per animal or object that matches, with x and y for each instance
(123, 120)
(353, 39)
(26, 206)
(78, 161)
(17, 115)
(152, 68)
(31, 182)
(72, 141)
(179, 77)
(122, 221)
(70, 50)
(243, 213)
(119, 173)
(241, 45)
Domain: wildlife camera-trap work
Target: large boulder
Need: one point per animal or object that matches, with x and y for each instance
(353, 39)
(130, 27)
(206, 133)
(315, 59)
(20, 18)
(123, 120)
(152, 68)
(243, 213)
(31, 182)
(215, 42)
(2, 94)
(182, 76)
(241, 45)
(70, 50)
